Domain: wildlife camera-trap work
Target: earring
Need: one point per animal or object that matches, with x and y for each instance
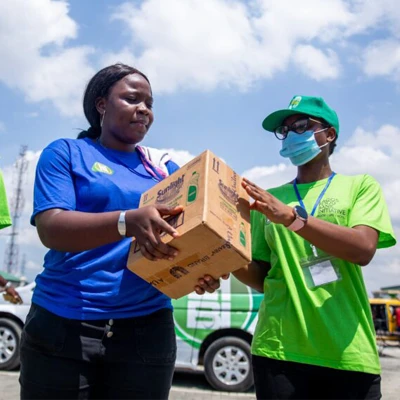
(102, 119)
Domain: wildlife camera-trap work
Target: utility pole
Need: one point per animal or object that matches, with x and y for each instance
(17, 204)
(22, 265)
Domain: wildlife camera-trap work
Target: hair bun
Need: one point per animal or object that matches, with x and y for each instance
(91, 133)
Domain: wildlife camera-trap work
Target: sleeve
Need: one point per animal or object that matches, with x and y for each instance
(5, 219)
(54, 185)
(172, 167)
(370, 209)
(259, 246)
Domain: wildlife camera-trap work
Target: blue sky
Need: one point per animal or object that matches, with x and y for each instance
(217, 68)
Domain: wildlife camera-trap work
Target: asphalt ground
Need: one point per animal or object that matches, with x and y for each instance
(188, 386)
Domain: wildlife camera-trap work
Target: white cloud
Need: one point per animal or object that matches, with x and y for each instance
(374, 153)
(2, 127)
(289, 22)
(382, 58)
(200, 44)
(371, 14)
(35, 59)
(203, 44)
(271, 176)
(180, 157)
(316, 64)
(61, 78)
(194, 44)
(365, 152)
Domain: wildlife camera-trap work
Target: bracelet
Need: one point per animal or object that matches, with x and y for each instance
(121, 224)
(6, 286)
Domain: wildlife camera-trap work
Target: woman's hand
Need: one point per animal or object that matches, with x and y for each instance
(208, 284)
(270, 206)
(147, 225)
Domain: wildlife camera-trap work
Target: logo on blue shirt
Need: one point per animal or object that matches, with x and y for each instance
(99, 167)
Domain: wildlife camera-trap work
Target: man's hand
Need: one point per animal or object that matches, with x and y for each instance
(12, 296)
(208, 284)
(270, 206)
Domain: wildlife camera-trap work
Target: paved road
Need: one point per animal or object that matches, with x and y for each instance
(390, 361)
(185, 387)
(194, 386)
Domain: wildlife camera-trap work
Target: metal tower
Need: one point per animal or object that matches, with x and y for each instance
(22, 265)
(17, 203)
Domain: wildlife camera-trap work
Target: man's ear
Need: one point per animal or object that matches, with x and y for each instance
(331, 134)
(101, 105)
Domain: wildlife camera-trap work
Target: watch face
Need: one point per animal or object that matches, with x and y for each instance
(302, 213)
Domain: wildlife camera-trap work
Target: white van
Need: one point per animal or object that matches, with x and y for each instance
(12, 318)
(214, 333)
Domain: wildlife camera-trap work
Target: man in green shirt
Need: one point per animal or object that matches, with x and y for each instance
(10, 293)
(315, 338)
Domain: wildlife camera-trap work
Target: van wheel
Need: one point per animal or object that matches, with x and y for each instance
(227, 365)
(10, 338)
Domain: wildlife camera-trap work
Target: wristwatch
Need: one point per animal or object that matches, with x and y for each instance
(121, 224)
(301, 217)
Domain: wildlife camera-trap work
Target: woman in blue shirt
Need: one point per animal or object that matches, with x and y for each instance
(95, 329)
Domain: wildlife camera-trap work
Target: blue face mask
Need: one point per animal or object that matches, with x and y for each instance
(301, 149)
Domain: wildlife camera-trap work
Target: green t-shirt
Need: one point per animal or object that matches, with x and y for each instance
(5, 219)
(328, 325)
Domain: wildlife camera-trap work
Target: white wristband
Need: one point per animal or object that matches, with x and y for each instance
(121, 224)
(7, 285)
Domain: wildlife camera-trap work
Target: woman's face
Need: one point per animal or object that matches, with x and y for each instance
(313, 124)
(128, 112)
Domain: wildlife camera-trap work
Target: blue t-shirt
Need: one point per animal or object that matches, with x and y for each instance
(81, 175)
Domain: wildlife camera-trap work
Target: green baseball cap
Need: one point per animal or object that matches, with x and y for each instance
(312, 106)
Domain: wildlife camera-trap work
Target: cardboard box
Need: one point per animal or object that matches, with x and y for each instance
(214, 226)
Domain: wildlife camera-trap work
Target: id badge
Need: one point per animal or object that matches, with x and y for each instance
(319, 269)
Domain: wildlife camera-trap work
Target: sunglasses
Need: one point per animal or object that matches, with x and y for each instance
(300, 126)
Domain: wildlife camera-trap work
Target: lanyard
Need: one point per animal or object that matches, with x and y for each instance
(150, 167)
(321, 195)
